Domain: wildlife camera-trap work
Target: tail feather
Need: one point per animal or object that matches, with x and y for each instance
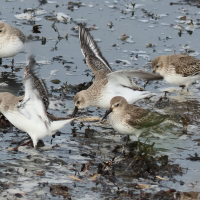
(56, 125)
(147, 94)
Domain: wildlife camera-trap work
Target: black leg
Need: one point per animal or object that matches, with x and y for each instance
(138, 146)
(127, 140)
(182, 86)
(146, 84)
(13, 61)
(166, 93)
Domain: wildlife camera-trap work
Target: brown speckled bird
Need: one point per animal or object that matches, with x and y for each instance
(181, 70)
(107, 84)
(130, 119)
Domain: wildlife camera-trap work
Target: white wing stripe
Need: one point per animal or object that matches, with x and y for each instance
(96, 52)
(87, 41)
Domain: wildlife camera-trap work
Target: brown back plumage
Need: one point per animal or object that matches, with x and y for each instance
(185, 64)
(140, 118)
(17, 32)
(10, 31)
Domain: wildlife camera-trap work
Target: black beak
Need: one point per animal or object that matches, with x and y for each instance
(75, 111)
(106, 114)
(154, 71)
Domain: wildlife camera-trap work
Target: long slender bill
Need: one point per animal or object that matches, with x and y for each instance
(75, 111)
(106, 113)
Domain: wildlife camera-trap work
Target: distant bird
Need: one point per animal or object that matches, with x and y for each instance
(42, 1)
(181, 70)
(107, 84)
(29, 112)
(130, 119)
(11, 41)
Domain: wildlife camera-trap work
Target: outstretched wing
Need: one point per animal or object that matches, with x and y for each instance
(124, 77)
(91, 52)
(32, 105)
(39, 83)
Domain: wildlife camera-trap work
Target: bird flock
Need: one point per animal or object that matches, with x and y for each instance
(114, 91)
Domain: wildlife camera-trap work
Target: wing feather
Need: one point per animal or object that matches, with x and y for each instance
(141, 118)
(186, 65)
(32, 105)
(39, 83)
(91, 51)
(124, 77)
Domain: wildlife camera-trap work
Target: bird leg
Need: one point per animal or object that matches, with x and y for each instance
(182, 86)
(145, 141)
(0, 61)
(16, 148)
(138, 146)
(165, 95)
(127, 140)
(19, 142)
(146, 84)
(13, 61)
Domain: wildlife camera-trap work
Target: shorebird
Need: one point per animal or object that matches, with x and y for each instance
(181, 70)
(107, 84)
(11, 41)
(130, 119)
(29, 112)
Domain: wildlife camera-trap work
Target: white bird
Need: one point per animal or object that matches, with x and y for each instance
(107, 84)
(29, 112)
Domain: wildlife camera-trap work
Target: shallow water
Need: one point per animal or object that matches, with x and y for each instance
(29, 172)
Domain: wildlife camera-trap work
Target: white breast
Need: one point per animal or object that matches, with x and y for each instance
(10, 47)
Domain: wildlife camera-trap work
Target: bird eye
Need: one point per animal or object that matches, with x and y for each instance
(117, 105)
(157, 66)
(78, 102)
(1, 31)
